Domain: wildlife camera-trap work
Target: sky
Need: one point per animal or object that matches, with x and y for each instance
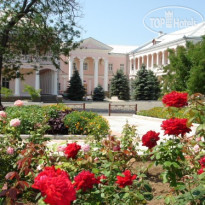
(120, 22)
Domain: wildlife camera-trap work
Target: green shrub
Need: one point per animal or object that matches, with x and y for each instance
(31, 117)
(6, 92)
(35, 94)
(86, 123)
(98, 94)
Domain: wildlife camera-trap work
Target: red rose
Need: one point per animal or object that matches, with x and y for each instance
(200, 171)
(175, 99)
(202, 162)
(116, 148)
(175, 126)
(126, 180)
(72, 150)
(150, 139)
(55, 186)
(85, 180)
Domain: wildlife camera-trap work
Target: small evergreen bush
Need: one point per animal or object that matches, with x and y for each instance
(120, 86)
(76, 90)
(146, 85)
(98, 94)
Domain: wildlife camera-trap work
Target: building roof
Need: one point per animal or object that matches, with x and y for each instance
(120, 49)
(195, 31)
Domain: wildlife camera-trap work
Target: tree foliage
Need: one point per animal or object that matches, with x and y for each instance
(76, 90)
(120, 86)
(35, 27)
(186, 71)
(98, 94)
(146, 85)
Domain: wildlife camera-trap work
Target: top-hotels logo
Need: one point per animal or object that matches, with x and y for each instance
(171, 18)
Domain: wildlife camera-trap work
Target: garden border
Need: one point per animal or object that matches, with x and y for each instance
(57, 137)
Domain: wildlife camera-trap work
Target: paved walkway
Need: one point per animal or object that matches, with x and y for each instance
(102, 107)
(142, 123)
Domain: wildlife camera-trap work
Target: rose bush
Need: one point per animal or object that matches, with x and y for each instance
(101, 171)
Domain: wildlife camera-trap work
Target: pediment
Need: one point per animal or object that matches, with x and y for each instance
(91, 43)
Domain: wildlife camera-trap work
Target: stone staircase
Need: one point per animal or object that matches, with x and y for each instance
(49, 98)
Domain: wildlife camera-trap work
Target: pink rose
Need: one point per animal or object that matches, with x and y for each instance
(10, 150)
(196, 148)
(85, 148)
(18, 103)
(3, 114)
(198, 139)
(96, 159)
(15, 123)
(61, 148)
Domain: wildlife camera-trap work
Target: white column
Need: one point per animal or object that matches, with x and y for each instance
(96, 74)
(55, 83)
(37, 80)
(139, 63)
(130, 66)
(134, 62)
(106, 76)
(163, 58)
(147, 62)
(70, 71)
(152, 65)
(142, 59)
(81, 69)
(157, 59)
(17, 85)
(168, 60)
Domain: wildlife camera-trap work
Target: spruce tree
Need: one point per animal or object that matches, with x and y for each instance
(154, 86)
(98, 94)
(120, 86)
(146, 85)
(76, 90)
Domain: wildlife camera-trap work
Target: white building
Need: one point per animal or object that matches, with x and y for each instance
(154, 53)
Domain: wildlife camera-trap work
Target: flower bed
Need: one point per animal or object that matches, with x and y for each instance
(52, 119)
(103, 171)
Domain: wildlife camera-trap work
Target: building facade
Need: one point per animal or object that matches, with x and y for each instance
(98, 62)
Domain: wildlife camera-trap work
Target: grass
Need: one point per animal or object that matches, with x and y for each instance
(160, 112)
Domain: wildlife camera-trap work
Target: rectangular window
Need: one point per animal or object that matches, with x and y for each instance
(110, 67)
(74, 66)
(5, 82)
(122, 66)
(85, 66)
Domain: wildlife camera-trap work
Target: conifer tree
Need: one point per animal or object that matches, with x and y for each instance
(76, 90)
(98, 94)
(146, 85)
(120, 86)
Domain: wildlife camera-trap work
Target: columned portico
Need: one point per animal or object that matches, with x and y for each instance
(17, 85)
(55, 83)
(152, 64)
(134, 62)
(96, 72)
(37, 80)
(70, 68)
(163, 57)
(106, 76)
(81, 69)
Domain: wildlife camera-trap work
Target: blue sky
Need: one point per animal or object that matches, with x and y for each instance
(120, 22)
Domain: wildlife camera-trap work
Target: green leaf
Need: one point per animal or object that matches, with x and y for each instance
(167, 200)
(110, 155)
(95, 171)
(167, 163)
